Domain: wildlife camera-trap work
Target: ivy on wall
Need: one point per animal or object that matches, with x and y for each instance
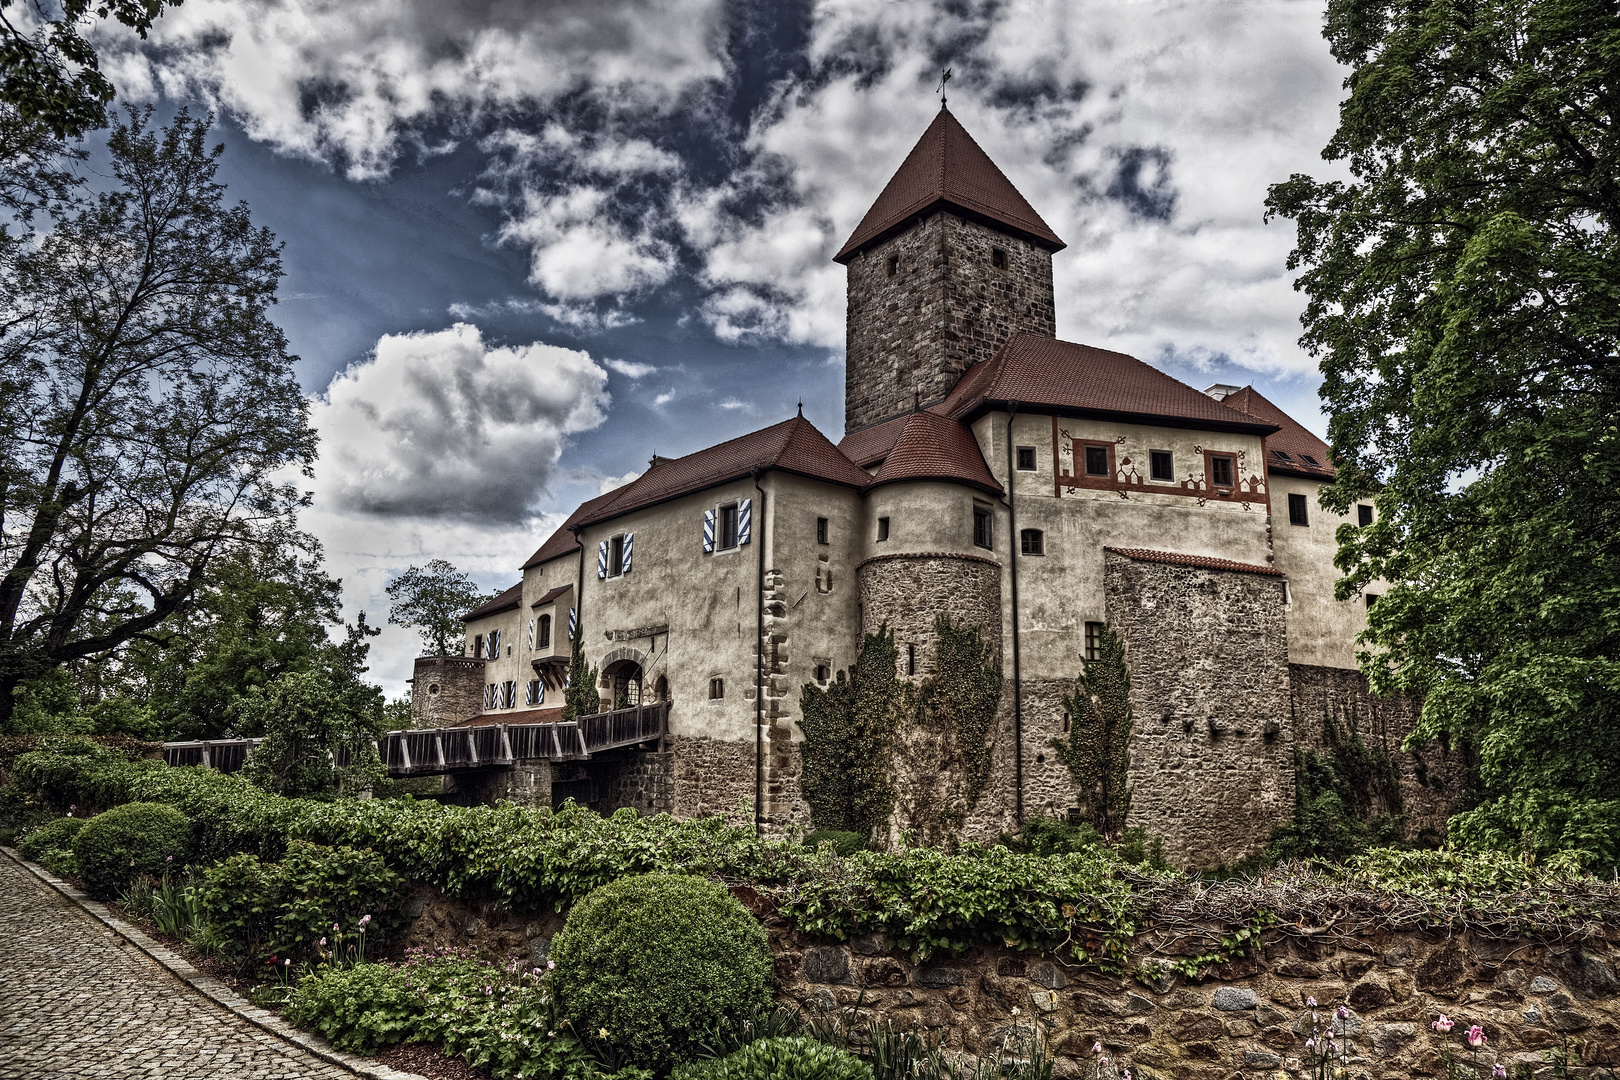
(881, 751)
(848, 734)
(581, 697)
(1347, 797)
(1097, 751)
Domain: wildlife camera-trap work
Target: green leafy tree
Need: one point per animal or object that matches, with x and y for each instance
(1464, 301)
(580, 697)
(150, 404)
(1097, 751)
(48, 69)
(433, 598)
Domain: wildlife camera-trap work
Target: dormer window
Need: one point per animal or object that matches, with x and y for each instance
(1280, 456)
(1311, 461)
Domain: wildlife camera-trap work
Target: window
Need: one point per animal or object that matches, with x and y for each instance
(728, 526)
(717, 688)
(1220, 470)
(981, 527)
(493, 641)
(1288, 595)
(491, 691)
(615, 565)
(1311, 461)
(883, 528)
(1297, 511)
(823, 672)
(433, 689)
(1026, 459)
(478, 645)
(1363, 515)
(911, 659)
(534, 696)
(998, 258)
(821, 530)
(1372, 598)
(1096, 461)
(1032, 542)
(894, 265)
(1280, 456)
(509, 694)
(1161, 465)
(545, 631)
(1094, 640)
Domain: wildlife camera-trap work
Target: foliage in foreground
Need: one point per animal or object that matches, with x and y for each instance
(51, 845)
(787, 1058)
(649, 967)
(127, 841)
(1462, 296)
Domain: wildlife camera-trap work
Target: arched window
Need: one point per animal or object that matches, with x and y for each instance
(545, 632)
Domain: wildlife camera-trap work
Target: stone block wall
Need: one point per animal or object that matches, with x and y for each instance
(711, 776)
(1212, 762)
(913, 333)
(446, 690)
(1430, 779)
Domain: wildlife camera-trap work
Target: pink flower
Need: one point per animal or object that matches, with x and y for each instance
(1342, 1013)
(1311, 1002)
(1310, 1044)
(168, 858)
(323, 941)
(1476, 1036)
(1499, 1071)
(364, 919)
(550, 964)
(1443, 1025)
(334, 928)
(1096, 1048)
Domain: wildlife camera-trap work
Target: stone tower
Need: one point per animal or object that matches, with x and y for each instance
(948, 263)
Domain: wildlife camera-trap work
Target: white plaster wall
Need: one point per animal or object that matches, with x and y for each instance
(1321, 630)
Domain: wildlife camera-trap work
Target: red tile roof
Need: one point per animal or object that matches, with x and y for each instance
(505, 601)
(872, 444)
(948, 170)
(522, 716)
(1294, 439)
(1044, 373)
(793, 446)
(552, 595)
(562, 541)
(935, 447)
(1175, 558)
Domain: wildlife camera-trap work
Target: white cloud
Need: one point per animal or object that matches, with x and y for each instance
(577, 252)
(630, 368)
(665, 398)
(613, 483)
(733, 403)
(440, 425)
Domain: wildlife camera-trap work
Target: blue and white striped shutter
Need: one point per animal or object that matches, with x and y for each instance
(540, 692)
(573, 622)
(601, 559)
(531, 635)
(708, 531)
(629, 539)
(494, 642)
(745, 520)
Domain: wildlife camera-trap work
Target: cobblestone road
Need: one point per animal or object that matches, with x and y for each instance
(78, 1002)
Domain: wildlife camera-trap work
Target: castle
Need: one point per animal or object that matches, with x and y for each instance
(1034, 489)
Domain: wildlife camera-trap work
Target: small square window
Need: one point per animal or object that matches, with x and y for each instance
(998, 258)
(717, 688)
(883, 529)
(1096, 461)
(1298, 511)
(981, 528)
(1032, 542)
(894, 265)
(823, 672)
(1026, 459)
(1161, 465)
(1363, 515)
(1094, 640)
(821, 530)
(1221, 471)
(1372, 598)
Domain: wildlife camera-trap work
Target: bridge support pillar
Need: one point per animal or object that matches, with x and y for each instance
(526, 783)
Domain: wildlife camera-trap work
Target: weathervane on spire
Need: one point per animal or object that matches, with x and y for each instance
(940, 89)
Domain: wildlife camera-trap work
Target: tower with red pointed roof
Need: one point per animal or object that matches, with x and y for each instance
(948, 264)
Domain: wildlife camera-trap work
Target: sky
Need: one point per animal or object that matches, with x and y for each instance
(529, 244)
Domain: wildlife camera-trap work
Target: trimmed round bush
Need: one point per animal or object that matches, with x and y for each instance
(780, 1059)
(136, 838)
(663, 963)
(51, 836)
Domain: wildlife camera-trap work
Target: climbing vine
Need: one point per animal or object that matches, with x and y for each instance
(848, 739)
(1097, 751)
(1347, 797)
(580, 698)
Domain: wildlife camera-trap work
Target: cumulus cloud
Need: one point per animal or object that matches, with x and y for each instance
(442, 425)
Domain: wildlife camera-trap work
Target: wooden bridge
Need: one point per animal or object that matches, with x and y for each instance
(434, 751)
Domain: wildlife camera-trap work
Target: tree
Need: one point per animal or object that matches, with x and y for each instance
(580, 696)
(1097, 751)
(48, 70)
(1464, 301)
(433, 599)
(150, 404)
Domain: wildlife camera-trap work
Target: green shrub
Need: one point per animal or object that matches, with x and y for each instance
(661, 962)
(56, 835)
(126, 841)
(358, 1009)
(76, 773)
(20, 811)
(229, 815)
(845, 843)
(780, 1059)
(287, 909)
(1054, 836)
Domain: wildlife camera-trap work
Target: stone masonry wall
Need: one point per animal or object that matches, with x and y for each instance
(1245, 1018)
(460, 693)
(1431, 779)
(945, 309)
(712, 776)
(1212, 765)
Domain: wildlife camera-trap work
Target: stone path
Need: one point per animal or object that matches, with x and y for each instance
(77, 1001)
